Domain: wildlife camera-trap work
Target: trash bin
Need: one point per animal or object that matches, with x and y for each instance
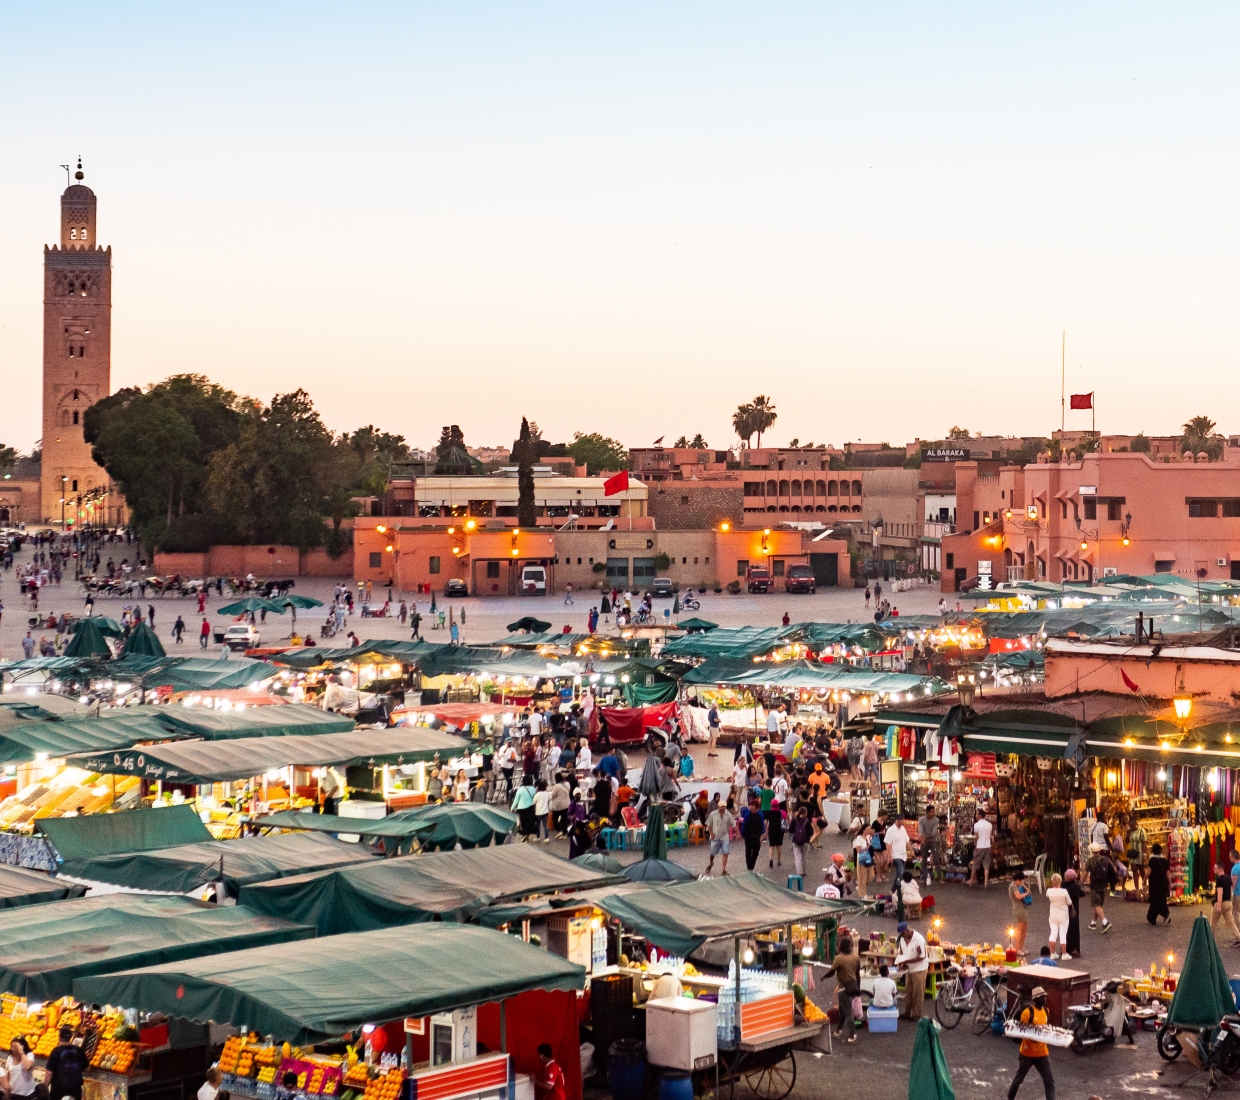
(626, 1071)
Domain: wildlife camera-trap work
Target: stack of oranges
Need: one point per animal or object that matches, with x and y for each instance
(113, 1055)
(386, 1087)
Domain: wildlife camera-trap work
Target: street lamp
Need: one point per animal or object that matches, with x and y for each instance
(63, 480)
(1183, 706)
(966, 688)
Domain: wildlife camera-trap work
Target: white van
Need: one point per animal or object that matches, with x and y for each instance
(534, 580)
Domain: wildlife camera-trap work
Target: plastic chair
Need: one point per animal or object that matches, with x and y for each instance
(800, 881)
(1038, 874)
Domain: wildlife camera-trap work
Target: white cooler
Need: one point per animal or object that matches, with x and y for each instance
(680, 1033)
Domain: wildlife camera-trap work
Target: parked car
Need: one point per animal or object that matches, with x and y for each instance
(662, 588)
(800, 578)
(758, 579)
(242, 636)
(534, 580)
(456, 587)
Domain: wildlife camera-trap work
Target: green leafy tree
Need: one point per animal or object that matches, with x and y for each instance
(273, 483)
(598, 452)
(1199, 435)
(156, 445)
(957, 432)
(1140, 444)
(525, 451)
(681, 441)
(744, 423)
(698, 443)
(8, 459)
(764, 415)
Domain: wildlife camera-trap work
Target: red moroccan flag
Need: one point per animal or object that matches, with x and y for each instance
(1129, 683)
(1082, 401)
(617, 484)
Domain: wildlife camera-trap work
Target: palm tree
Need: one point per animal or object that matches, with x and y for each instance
(1199, 436)
(698, 443)
(743, 423)
(683, 441)
(764, 415)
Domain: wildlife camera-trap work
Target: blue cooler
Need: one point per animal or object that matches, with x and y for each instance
(882, 1019)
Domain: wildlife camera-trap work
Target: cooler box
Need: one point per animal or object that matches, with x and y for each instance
(681, 1033)
(882, 1019)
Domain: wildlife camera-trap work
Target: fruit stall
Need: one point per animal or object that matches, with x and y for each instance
(368, 1011)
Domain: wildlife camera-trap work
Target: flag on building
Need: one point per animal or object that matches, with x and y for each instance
(616, 484)
(1082, 401)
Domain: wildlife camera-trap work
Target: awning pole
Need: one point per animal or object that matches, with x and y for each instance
(789, 953)
(503, 1027)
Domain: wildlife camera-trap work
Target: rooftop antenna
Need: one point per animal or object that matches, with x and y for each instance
(68, 168)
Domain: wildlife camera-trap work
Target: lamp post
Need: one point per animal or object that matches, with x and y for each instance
(63, 480)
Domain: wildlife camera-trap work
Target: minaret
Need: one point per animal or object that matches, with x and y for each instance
(77, 360)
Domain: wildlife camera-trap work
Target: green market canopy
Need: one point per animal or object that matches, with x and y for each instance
(450, 886)
(237, 863)
(142, 642)
(811, 674)
(222, 761)
(1203, 995)
(305, 996)
(29, 740)
(178, 673)
(79, 838)
(43, 948)
(88, 641)
(471, 825)
(276, 720)
(758, 641)
(21, 887)
(680, 917)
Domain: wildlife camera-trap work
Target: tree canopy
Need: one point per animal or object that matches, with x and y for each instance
(597, 452)
(525, 451)
(1199, 436)
(754, 418)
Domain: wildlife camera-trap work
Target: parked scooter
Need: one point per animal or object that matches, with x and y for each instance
(1101, 1021)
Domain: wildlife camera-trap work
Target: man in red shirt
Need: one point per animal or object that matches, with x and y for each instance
(549, 1084)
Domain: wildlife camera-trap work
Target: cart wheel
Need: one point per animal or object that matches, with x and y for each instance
(773, 1082)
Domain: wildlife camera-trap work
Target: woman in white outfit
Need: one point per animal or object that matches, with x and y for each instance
(1061, 912)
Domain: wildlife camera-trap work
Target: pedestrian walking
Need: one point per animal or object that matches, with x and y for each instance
(846, 967)
(1102, 877)
(982, 829)
(1061, 913)
(753, 825)
(1223, 904)
(928, 835)
(774, 834)
(1021, 898)
(202, 600)
(203, 634)
(150, 614)
(1034, 1055)
(1159, 876)
(719, 824)
(897, 840)
(802, 834)
(1072, 883)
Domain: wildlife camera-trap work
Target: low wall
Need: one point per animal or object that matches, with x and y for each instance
(263, 561)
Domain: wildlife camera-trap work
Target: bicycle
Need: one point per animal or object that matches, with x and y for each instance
(955, 998)
(992, 1001)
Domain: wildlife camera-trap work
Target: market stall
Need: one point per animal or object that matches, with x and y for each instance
(440, 827)
(468, 1029)
(19, 887)
(451, 886)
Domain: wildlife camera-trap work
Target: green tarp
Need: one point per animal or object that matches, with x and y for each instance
(221, 761)
(76, 838)
(276, 720)
(43, 948)
(142, 642)
(187, 867)
(305, 996)
(1202, 994)
(410, 889)
(443, 826)
(680, 917)
(88, 641)
(811, 674)
(29, 740)
(388, 826)
(21, 887)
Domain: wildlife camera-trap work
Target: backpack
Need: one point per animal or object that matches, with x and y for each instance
(800, 830)
(70, 1066)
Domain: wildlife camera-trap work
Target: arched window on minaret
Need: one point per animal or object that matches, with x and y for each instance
(83, 232)
(64, 418)
(70, 351)
(73, 234)
(75, 416)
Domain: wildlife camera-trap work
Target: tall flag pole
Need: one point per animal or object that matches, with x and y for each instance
(1063, 350)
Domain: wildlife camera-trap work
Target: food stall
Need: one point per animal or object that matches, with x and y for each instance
(337, 1019)
(767, 935)
(440, 827)
(447, 886)
(46, 947)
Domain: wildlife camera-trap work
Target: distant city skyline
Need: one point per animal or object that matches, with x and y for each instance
(632, 220)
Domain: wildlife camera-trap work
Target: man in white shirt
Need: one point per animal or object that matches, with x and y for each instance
(828, 889)
(330, 787)
(884, 993)
(772, 726)
(536, 723)
(981, 849)
(911, 956)
(896, 838)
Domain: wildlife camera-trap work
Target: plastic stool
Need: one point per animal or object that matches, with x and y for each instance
(609, 839)
(697, 834)
(800, 881)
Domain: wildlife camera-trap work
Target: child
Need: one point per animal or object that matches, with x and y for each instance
(884, 990)
(542, 808)
(1046, 959)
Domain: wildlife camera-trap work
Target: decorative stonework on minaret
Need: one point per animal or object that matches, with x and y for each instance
(77, 352)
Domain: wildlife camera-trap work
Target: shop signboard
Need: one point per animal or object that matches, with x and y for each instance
(945, 454)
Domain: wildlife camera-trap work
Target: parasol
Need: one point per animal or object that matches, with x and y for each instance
(252, 603)
(1202, 996)
(928, 1075)
(88, 641)
(528, 624)
(468, 824)
(657, 870)
(597, 861)
(654, 846)
(695, 625)
(142, 642)
(109, 628)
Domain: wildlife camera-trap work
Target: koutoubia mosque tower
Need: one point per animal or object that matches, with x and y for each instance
(77, 362)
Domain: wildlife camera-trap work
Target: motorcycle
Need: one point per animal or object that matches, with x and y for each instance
(1225, 1052)
(688, 603)
(1101, 1021)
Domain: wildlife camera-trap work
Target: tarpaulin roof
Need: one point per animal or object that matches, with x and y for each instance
(680, 917)
(470, 824)
(179, 673)
(221, 761)
(142, 642)
(76, 838)
(26, 740)
(281, 721)
(44, 947)
(533, 641)
(809, 674)
(391, 826)
(1203, 995)
(411, 889)
(757, 641)
(302, 996)
(88, 641)
(21, 887)
(406, 652)
(186, 867)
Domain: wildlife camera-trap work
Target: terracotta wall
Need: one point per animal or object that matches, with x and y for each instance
(262, 561)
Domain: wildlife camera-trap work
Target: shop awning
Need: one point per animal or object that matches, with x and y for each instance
(187, 867)
(409, 889)
(28, 740)
(304, 996)
(221, 761)
(77, 838)
(21, 887)
(810, 674)
(391, 826)
(282, 721)
(680, 917)
(43, 948)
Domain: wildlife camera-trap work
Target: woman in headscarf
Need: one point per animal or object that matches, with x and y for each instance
(1073, 885)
